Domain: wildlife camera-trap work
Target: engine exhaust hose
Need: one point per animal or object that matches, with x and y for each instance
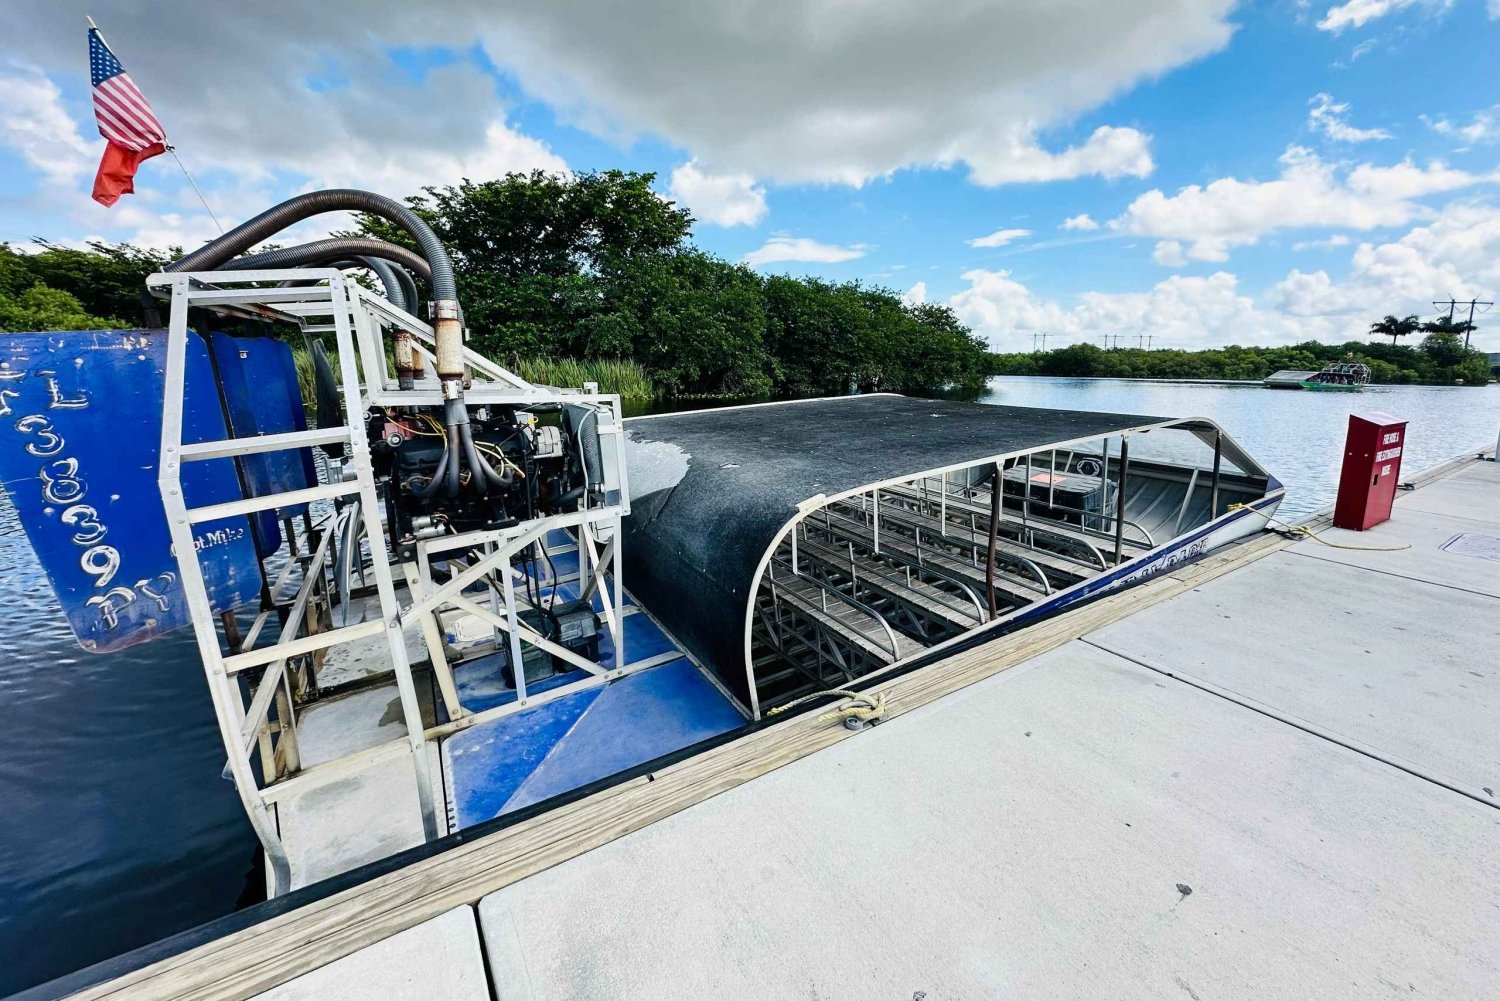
(448, 333)
(278, 217)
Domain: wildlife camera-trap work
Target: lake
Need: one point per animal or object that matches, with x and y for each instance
(116, 828)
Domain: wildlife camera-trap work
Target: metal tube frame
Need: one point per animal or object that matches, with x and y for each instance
(359, 321)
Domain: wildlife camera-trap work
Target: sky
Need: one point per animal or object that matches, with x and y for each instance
(1186, 173)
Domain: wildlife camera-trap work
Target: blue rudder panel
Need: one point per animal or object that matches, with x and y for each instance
(261, 393)
(80, 434)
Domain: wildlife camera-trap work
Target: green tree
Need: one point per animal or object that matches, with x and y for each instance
(529, 250)
(593, 266)
(1444, 348)
(107, 280)
(43, 308)
(1393, 327)
(813, 329)
(1389, 363)
(695, 322)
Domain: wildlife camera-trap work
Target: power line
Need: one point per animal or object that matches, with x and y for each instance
(1453, 304)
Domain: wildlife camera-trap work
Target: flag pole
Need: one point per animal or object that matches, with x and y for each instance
(168, 146)
(173, 151)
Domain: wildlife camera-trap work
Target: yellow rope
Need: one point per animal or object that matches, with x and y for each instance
(1303, 532)
(865, 708)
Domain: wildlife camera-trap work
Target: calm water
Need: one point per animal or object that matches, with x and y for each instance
(1297, 435)
(116, 829)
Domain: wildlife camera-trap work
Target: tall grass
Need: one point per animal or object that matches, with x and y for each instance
(302, 359)
(626, 378)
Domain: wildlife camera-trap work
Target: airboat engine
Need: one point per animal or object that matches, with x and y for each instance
(438, 497)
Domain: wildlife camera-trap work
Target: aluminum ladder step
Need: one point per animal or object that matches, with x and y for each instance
(229, 447)
(265, 502)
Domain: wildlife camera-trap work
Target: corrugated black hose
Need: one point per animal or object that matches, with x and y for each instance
(394, 290)
(336, 248)
(216, 253)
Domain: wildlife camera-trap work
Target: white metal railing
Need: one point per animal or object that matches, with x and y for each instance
(266, 724)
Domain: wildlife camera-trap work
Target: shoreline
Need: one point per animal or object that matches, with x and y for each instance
(1221, 382)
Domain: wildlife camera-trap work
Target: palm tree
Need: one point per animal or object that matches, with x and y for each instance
(1393, 328)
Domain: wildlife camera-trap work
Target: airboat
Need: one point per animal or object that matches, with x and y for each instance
(455, 594)
(1337, 376)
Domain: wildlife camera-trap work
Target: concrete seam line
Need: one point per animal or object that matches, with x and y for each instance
(1398, 576)
(1305, 726)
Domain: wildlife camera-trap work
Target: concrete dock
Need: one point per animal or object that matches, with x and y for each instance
(1277, 783)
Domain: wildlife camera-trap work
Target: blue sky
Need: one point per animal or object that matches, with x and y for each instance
(1233, 173)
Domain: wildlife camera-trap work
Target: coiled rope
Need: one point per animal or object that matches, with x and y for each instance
(1284, 530)
(861, 707)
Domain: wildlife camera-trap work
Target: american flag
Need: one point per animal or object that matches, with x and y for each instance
(124, 115)
(126, 121)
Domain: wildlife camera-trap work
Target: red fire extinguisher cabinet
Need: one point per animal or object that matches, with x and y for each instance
(1372, 469)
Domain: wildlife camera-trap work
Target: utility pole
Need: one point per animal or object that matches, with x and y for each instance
(1044, 340)
(1149, 339)
(1472, 304)
(1453, 305)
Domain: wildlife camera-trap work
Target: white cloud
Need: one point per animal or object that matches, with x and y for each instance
(801, 248)
(37, 126)
(803, 90)
(246, 162)
(916, 295)
(1168, 253)
(1109, 152)
(245, 116)
(720, 199)
(800, 90)
(1083, 221)
(999, 238)
(402, 171)
(159, 230)
(1211, 220)
(1357, 13)
(1180, 312)
(1457, 252)
(834, 91)
(1336, 240)
(1406, 180)
(1483, 128)
(1326, 115)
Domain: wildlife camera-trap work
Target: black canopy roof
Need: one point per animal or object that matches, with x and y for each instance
(711, 490)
